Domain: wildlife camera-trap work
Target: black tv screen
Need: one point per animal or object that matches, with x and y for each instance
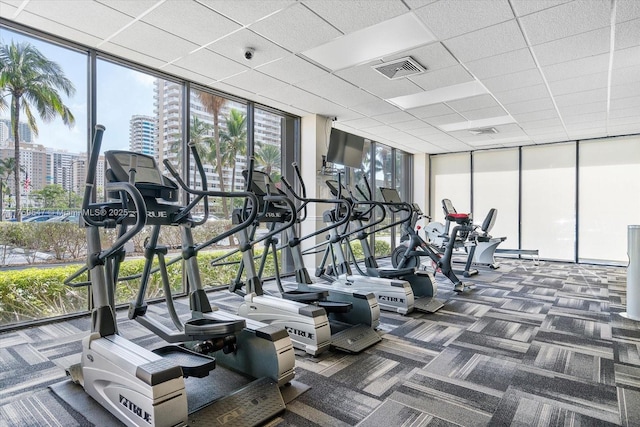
(345, 149)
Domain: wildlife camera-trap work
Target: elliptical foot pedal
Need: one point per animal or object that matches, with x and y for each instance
(252, 405)
(427, 305)
(355, 339)
(304, 296)
(193, 364)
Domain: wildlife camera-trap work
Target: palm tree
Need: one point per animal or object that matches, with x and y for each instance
(6, 169)
(213, 105)
(33, 81)
(234, 141)
(269, 159)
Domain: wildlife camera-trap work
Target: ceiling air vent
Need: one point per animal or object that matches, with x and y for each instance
(483, 131)
(399, 68)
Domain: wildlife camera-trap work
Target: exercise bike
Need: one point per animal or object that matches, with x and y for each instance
(413, 247)
(146, 388)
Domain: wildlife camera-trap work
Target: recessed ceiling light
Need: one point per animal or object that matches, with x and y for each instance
(483, 131)
(482, 123)
(388, 37)
(436, 96)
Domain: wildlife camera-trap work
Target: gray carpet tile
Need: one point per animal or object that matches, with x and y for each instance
(526, 346)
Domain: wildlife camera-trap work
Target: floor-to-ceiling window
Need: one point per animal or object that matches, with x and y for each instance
(450, 179)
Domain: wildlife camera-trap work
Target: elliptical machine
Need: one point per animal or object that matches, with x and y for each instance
(353, 314)
(141, 387)
(422, 283)
(413, 247)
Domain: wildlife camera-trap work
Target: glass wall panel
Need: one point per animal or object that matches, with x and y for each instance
(548, 200)
(495, 185)
(609, 188)
(450, 179)
(383, 173)
(42, 172)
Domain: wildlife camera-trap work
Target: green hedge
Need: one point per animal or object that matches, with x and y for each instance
(36, 293)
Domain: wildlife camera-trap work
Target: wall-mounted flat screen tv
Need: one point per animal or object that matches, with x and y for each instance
(345, 149)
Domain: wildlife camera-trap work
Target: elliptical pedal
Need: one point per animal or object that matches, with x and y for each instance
(252, 405)
(192, 363)
(427, 305)
(355, 339)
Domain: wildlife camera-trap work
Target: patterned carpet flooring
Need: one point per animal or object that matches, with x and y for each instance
(527, 346)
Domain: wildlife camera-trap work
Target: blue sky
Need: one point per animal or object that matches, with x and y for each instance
(122, 93)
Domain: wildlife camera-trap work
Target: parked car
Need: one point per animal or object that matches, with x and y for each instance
(75, 218)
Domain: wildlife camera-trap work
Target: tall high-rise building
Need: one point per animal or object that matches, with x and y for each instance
(6, 133)
(142, 134)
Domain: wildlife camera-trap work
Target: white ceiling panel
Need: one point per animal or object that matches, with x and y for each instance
(365, 77)
(623, 76)
(120, 51)
(627, 34)
(290, 28)
(626, 113)
(235, 45)
(525, 7)
(505, 63)
(586, 97)
(467, 15)
(132, 8)
(514, 81)
(292, 69)
(424, 132)
(542, 124)
(577, 68)
(336, 89)
(191, 21)
(581, 109)
(201, 62)
(585, 118)
(629, 102)
(625, 91)
(530, 106)
(566, 20)
(626, 57)
(486, 42)
(187, 73)
(363, 123)
(441, 78)
(374, 108)
(69, 33)
(627, 10)
(443, 120)
(355, 14)
(473, 103)
(431, 111)
(382, 130)
(535, 115)
(247, 12)
(155, 42)
(9, 7)
(519, 95)
(93, 18)
(255, 82)
(391, 118)
(484, 113)
(582, 45)
(579, 84)
(411, 125)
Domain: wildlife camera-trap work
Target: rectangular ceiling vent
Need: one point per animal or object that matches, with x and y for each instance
(399, 68)
(483, 131)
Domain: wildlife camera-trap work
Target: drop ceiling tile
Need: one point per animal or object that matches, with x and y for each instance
(187, 74)
(337, 90)
(280, 106)
(382, 130)
(626, 75)
(92, 18)
(570, 48)
(365, 77)
(577, 68)
(523, 94)
(431, 111)
(600, 126)
(626, 57)
(442, 78)
(627, 34)
(629, 102)
(535, 115)
(234, 46)
(9, 8)
(525, 7)
(541, 124)
(484, 113)
(133, 55)
(574, 110)
(627, 10)
(487, 42)
(625, 113)
(247, 12)
(622, 129)
(363, 123)
(505, 63)
(444, 120)
(473, 103)
(424, 132)
(255, 82)
(411, 125)
(375, 107)
(292, 69)
(202, 62)
(191, 21)
(291, 28)
(131, 8)
(299, 98)
(566, 20)
(632, 120)
(530, 106)
(44, 24)
(555, 130)
(152, 41)
(585, 118)
(355, 14)
(467, 15)
(514, 81)
(586, 97)
(396, 117)
(579, 84)
(433, 56)
(625, 91)
(233, 90)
